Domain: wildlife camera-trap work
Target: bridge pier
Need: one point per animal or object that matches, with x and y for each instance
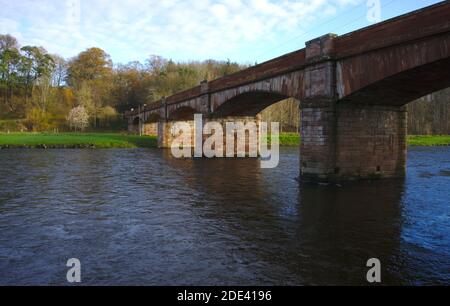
(166, 138)
(346, 140)
(150, 129)
(349, 142)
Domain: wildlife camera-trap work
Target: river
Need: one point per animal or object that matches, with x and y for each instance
(141, 217)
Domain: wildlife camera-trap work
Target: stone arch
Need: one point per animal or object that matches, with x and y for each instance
(133, 125)
(404, 87)
(184, 113)
(396, 75)
(152, 118)
(248, 104)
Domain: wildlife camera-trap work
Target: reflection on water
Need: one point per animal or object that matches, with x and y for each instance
(142, 217)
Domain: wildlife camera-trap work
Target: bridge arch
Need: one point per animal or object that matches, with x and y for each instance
(404, 87)
(396, 75)
(133, 124)
(248, 103)
(152, 118)
(136, 121)
(184, 113)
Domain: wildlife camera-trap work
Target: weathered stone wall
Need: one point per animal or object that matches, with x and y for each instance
(151, 129)
(318, 142)
(352, 142)
(371, 141)
(250, 145)
(165, 137)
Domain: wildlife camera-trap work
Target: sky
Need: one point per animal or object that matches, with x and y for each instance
(244, 31)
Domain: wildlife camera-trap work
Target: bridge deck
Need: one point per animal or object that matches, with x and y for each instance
(413, 26)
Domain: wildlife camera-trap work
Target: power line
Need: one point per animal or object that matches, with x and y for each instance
(325, 23)
(310, 31)
(363, 16)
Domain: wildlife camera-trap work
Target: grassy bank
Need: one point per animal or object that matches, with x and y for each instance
(289, 139)
(111, 140)
(75, 140)
(427, 141)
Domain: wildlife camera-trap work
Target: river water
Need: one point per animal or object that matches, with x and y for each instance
(141, 217)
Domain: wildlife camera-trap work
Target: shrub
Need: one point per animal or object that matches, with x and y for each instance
(78, 118)
(37, 120)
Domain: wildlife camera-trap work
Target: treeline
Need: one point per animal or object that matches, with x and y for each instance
(44, 92)
(41, 91)
(429, 115)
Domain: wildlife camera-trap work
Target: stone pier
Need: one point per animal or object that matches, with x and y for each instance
(251, 144)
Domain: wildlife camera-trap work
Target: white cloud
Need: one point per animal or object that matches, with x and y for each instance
(137, 28)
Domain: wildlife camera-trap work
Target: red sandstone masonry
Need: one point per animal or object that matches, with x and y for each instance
(352, 90)
(166, 138)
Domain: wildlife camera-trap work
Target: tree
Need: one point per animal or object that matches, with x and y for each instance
(59, 75)
(10, 59)
(78, 118)
(92, 64)
(84, 97)
(8, 42)
(91, 69)
(36, 68)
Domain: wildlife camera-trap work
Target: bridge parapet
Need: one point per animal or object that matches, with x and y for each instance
(321, 48)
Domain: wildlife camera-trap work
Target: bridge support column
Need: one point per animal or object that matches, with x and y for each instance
(249, 145)
(165, 137)
(151, 129)
(348, 142)
(345, 141)
(133, 126)
(318, 141)
(371, 141)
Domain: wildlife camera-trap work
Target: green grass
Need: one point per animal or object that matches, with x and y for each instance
(75, 140)
(113, 140)
(288, 139)
(292, 139)
(428, 141)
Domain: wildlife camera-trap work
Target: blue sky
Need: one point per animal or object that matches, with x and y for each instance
(245, 31)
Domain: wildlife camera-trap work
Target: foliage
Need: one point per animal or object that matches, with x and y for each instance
(37, 120)
(293, 139)
(430, 115)
(287, 113)
(12, 125)
(78, 118)
(44, 88)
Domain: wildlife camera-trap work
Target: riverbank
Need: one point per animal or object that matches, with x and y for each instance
(75, 140)
(292, 139)
(429, 141)
(111, 140)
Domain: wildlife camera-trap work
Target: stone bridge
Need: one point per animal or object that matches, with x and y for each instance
(352, 90)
